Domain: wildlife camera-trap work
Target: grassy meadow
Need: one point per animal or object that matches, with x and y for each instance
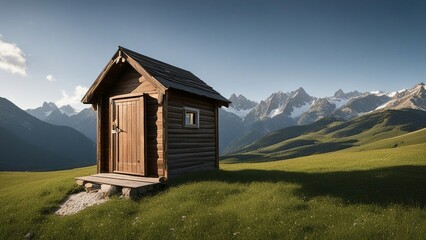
(373, 191)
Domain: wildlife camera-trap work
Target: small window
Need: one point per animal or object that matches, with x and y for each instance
(191, 117)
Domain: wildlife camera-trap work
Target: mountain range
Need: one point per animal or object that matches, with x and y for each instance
(243, 125)
(332, 134)
(29, 144)
(83, 121)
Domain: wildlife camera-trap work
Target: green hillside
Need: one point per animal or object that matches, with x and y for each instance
(331, 134)
(361, 194)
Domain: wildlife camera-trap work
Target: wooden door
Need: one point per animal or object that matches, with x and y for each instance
(128, 135)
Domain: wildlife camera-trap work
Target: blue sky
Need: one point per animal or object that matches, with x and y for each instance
(252, 48)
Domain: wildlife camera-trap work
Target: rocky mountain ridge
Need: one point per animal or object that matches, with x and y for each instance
(83, 121)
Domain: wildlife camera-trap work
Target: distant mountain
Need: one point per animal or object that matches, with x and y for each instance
(267, 108)
(83, 121)
(241, 103)
(58, 118)
(230, 127)
(277, 111)
(342, 95)
(414, 98)
(342, 105)
(44, 111)
(320, 109)
(361, 105)
(281, 109)
(291, 104)
(68, 110)
(33, 145)
(331, 134)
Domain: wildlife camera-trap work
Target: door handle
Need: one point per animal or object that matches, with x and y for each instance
(116, 129)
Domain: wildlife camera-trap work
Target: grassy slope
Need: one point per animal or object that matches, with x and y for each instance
(331, 135)
(374, 194)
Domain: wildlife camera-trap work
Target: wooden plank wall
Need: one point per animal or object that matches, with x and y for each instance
(132, 82)
(190, 149)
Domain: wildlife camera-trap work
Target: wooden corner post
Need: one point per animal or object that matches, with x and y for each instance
(216, 134)
(99, 139)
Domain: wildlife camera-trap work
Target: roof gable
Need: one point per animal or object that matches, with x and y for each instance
(164, 75)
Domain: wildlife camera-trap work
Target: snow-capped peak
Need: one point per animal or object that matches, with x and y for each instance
(407, 98)
(68, 110)
(378, 93)
(297, 111)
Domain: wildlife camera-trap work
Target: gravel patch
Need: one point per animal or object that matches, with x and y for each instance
(79, 201)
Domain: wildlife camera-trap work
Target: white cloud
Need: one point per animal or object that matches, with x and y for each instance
(75, 99)
(12, 58)
(50, 78)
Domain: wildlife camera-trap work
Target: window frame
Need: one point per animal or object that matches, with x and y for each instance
(197, 117)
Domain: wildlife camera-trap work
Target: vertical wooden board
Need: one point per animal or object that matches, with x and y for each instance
(129, 136)
(134, 137)
(133, 143)
(138, 142)
(107, 157)
(109, 136)
(216, 134)
(99, 139)
(115, 138)
(125, 136)
(143, 162)
(120, 146)
(165, 117)
(118, 139)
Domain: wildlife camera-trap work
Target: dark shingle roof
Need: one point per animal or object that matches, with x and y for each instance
(173, 77)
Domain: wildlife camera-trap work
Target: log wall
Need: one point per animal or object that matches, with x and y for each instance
(190, 149)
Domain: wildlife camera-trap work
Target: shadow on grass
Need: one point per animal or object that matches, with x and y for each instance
(404, 185)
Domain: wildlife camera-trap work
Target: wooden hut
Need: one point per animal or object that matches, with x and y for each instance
(154, 119)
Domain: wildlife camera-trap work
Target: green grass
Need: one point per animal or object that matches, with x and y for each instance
(373, 193)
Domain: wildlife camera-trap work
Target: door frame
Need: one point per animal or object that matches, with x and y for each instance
(111, 139)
